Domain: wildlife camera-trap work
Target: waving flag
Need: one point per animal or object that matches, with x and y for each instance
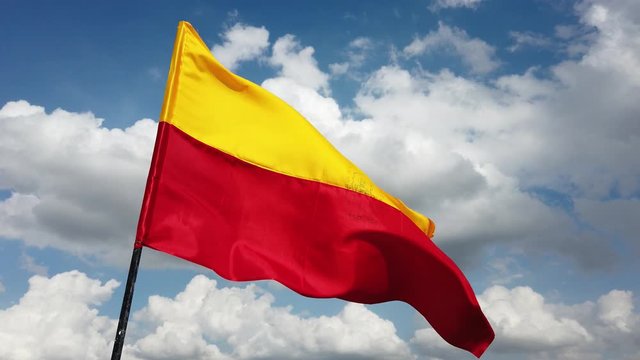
(244, 185)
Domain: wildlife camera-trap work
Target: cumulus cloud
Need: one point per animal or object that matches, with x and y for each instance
(524, 323)
(75, 185)
(615, 310)
(298, 64)
(203, 319)
(241, 43)
(57, 318)
(613, 323)
(476, 54)
(61, 315)
(529, 327)
(617, 25)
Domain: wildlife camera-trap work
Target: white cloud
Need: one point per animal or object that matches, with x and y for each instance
(476, 54)
(523, 322)
(57, 318)
(617, 46)
(442, 4)
(615, 309)
(16, 214)
(612, 322)
(528, 327)
(204, 318)
(298, 64)
(76, 185)
(58, 315)
(241, 43)
(61, 315)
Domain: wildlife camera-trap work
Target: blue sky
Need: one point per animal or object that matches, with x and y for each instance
(512, 124)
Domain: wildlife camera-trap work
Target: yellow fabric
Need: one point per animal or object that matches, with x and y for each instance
(240, 118)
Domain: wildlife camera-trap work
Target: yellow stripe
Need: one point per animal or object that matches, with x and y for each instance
(240, 118)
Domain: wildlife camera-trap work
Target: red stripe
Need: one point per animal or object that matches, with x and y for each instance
(249, 223)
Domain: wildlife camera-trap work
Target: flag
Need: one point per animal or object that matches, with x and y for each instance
(244, 185)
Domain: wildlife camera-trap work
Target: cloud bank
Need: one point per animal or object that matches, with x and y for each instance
(61, 315)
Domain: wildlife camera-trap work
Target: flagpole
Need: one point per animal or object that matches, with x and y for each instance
(126, 304)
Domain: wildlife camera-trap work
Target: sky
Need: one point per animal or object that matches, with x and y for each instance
(512, 124)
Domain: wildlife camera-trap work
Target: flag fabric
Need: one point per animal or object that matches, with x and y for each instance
(244, 185)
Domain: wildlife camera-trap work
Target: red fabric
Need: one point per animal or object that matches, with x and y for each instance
(249, 223)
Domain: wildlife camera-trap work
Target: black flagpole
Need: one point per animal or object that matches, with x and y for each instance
(126, 304)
